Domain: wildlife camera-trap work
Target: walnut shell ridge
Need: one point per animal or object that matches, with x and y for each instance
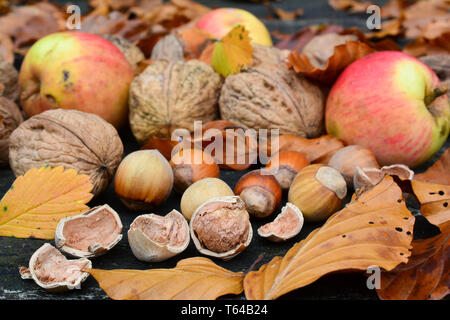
(273, 97)
(170, 95)
(70, 138)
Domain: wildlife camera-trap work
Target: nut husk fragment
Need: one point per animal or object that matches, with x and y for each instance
(89, 234)
(221, 227)
(10, 119)
(9, 78)
(53, 272)
(171, 95)
(69, 138)
(154, 238)
(286, 225)
(132, 53)
(169, 48)
(369, 177)
(273, 97)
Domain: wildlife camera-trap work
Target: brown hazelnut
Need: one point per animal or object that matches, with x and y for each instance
(201, 191)
(318, 191)
(154, 238)
(346, 159)
(190, 166)
(286, 225)
(285, 165)
(10, 118)
(144, 180)
(221, 227)
(132, 53)
(260, 191)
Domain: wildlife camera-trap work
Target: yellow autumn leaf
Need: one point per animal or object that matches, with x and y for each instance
(192, 279)
(233, 52)
(374, 230)
(39, 199)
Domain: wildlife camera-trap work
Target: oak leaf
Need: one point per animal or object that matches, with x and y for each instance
(439, 172)
(343, 56)
(375, 229)
(434, 202)
(426, 275)
(192, 279)
(40, 198)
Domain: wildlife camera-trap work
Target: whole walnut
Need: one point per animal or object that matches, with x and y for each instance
(9, 78)
(70, 138)
(10, 118)
(270, 96)
(170, 95)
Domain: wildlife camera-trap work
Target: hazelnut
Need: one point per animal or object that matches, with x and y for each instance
(286, 225)
(260, 191)
(89, 234)
(285, 165)
(53, 272)
(318, 191)
(154, 238)
(190, 166)
(132, 53)
(201, 191)
(144, 180)
(221, 227)
(346, 159)
(10, 118)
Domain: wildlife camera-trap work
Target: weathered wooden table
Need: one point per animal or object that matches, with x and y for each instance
(17, 252)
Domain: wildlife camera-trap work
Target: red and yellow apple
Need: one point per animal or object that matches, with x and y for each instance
(220, 21)
(392, 104)
(76, 70)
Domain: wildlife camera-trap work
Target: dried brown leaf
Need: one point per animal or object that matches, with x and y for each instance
(439, 172)
(425, 276)
(192, 279)
(376, 229)
(422, 46)
(352, 6)
(434, 202)
(343, 56)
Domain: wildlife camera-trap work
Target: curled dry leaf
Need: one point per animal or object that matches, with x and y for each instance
(343, 56)
(318, 150)
(422, 46)
(440, 64)
(40, 198)
(6, 48)
(375, 229)
(434, 202)
(283, 14)
(353, 6)
(426, 275)
(26, 24)
(192, 279)
(439, 172)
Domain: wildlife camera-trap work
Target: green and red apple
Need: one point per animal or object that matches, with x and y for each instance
(392, 104)
(76, 70)
(220, 21)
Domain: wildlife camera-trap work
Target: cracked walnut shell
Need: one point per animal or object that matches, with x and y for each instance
(69, 138)
(273, 97)
(171, 95)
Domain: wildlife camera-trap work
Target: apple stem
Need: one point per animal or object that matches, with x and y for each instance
(437, 92)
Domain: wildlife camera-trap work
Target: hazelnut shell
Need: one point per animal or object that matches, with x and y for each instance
(286, 225)
(156, 248)
(101, 226)
(45, 254)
